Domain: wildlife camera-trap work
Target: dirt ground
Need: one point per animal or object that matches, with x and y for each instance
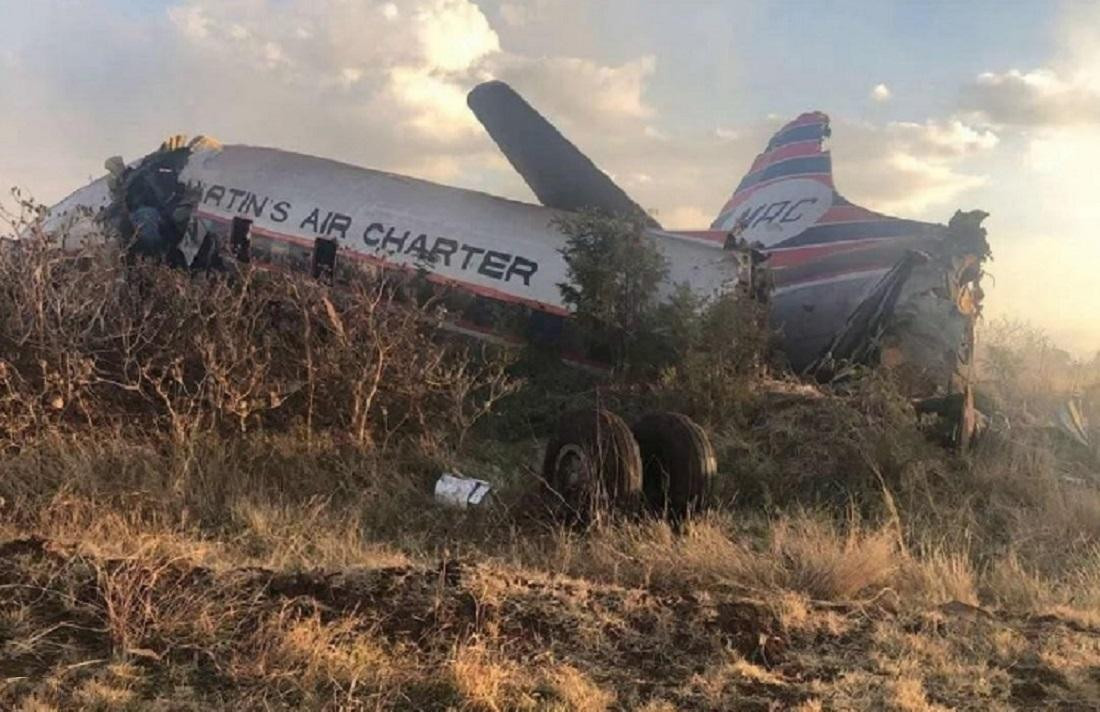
(166, 634)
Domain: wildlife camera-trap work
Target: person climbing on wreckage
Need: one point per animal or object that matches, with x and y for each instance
(151, 208)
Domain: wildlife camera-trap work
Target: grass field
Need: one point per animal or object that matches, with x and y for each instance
(218, 495)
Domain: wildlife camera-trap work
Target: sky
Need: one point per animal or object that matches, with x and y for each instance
(935, 106)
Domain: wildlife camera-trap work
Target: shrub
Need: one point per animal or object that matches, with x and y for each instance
(691, 354)
(726, 348)
(88, 340)
(614, 274)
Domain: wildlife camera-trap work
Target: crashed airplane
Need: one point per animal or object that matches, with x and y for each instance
(848, 285)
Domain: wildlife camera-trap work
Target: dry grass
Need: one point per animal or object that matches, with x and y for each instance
(233, 501)
(805, 553)
(563, 619)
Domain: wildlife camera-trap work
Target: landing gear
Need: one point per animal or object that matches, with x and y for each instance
(678, 464)
(593, 463)
(596, 462)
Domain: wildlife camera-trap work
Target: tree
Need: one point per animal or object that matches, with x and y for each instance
(615, 272)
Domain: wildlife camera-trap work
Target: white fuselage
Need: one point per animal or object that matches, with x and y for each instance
(491, 246)
(488, 245)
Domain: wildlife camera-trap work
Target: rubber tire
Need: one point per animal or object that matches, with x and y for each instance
(678, 463)
(610, 472)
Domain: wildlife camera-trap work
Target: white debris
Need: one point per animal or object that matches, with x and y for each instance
(456, 490)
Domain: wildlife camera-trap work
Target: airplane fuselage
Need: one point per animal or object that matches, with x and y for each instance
(487, 245)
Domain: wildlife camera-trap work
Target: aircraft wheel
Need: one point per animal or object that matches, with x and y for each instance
(593, 463)
(678, 463)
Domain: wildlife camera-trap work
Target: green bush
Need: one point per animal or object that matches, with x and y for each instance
(681, 352)
(615, 272)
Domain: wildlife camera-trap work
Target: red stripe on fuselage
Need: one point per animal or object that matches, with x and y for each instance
(788, 256)
(794, 256)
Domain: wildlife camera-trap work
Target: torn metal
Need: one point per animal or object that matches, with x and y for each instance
(1071, 419)
(920, 322)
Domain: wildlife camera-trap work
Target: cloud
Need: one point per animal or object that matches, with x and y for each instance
(1042, 97)
(1063, 92)
(422, 66)
(372, 82)
(881, 93)
(908, 168)
(426, 63)
(76, 79)
(943, 139)
(454, 35)
(581, 91)
(685, 216)
(514, 13)
(192, 21)
(519, 13)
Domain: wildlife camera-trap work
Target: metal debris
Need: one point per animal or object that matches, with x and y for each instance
(456, 490)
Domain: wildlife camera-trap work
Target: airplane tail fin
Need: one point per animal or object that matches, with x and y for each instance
(788, 187)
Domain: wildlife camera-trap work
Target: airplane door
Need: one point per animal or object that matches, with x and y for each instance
(240, 239)
(324, 258)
